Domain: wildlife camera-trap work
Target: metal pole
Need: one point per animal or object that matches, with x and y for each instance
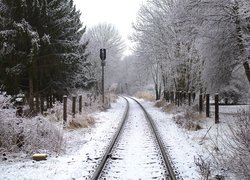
(102, 83)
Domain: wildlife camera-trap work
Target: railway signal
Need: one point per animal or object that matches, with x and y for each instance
(103, 54)
(103, 57)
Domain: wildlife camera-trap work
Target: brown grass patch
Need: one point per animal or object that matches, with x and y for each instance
(189, 120)
(145, 95)
(168, 108)
(160, 103)
(81, 122)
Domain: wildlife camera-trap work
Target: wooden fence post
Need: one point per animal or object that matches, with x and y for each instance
(80, 104)
(54, 99)
(175, 98)
(216, 103)
(42, 104)
(226, 101)
(189, 98)
(47, 101)
(50, 101)
(167, 96)
(178, 98)
(193, 96)
(172, 97)
(207, 105)
(73, 105)
(184, 97)
(200, 104)
(64, 109)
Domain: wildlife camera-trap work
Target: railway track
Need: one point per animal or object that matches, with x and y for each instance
(136, 150)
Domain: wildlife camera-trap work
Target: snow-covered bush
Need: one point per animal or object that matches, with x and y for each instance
(204, 167)
(36, 135)
(237, 146)
(230, 153)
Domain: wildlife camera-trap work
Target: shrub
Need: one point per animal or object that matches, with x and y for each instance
(35, 135)
(231, 156)
(238, 146)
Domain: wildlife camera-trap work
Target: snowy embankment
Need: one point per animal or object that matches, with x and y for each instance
(202, 152)
(83, 148)
(180, 147)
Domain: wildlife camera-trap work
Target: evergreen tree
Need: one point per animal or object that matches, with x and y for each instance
(40, 49)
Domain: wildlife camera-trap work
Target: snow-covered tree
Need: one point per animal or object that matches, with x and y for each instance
(40, 49)
(160, 38)
(199, 44)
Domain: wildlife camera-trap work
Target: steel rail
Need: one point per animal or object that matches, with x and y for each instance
(159, 141)
(115, 137)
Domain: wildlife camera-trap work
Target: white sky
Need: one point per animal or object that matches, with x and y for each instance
(121, 13)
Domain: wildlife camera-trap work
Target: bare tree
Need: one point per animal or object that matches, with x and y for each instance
(201, 45)
(108, 37)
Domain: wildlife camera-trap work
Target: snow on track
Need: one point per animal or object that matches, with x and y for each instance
(178, 145)
(136, 155)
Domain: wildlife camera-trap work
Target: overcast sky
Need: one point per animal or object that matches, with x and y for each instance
(121, 13)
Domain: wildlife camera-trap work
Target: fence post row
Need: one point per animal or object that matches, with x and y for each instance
(179, 98)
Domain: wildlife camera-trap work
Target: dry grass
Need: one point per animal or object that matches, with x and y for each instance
(81, 122)
(189, 119)
(145, 95)
(169, 108)
(160, 103)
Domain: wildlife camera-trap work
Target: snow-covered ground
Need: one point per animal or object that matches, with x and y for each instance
(83, 149)
(136, 154)
(180, 147)
(85, 146)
